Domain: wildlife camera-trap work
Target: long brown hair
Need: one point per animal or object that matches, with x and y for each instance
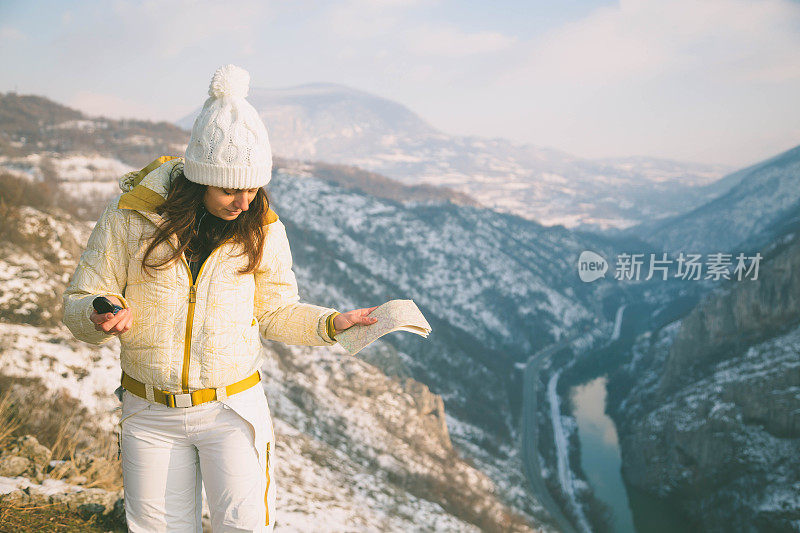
(184, 201)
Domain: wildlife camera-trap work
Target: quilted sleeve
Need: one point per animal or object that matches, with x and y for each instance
(279, 312)
(101, 271)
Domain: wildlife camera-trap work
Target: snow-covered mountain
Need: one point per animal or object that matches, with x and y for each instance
(435, 420)
(708, 409)
(339, 124)
(373, 452)
(705, 398)
(763, 202)
(494, 287)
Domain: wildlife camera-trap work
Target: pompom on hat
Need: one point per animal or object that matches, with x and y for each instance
(229, 146)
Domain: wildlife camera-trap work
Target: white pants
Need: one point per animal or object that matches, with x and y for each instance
(169, 453)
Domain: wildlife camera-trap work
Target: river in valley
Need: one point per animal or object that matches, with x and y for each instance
(632, 511)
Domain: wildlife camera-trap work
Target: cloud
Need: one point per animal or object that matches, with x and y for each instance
(447, 41)
(165, 30)
(9, 34)
(643, 39)
(396, 24)
(711, 81)
(389, 47)
(375, 6)
(357, 21)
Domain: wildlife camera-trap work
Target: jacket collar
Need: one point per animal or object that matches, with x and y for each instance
(145, 190)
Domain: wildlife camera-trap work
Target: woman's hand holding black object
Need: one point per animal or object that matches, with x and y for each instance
(351, 318)
(113, 323)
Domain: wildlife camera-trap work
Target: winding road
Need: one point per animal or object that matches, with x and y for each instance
(529, 428)
(528, 436)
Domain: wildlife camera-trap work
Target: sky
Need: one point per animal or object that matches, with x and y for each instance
(705, 81)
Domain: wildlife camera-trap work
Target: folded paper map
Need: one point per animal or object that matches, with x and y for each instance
(392, 316)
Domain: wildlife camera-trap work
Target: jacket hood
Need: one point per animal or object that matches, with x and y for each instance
(146, 189)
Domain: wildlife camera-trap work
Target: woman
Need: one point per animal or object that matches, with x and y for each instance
(201, 267)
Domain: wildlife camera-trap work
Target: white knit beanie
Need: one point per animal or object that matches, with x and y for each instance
(229, 146)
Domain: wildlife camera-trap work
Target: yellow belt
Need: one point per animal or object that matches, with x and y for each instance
(187, 399)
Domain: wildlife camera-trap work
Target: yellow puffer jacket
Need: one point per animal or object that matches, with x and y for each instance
(186, 337)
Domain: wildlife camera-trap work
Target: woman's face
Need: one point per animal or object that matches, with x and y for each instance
(228, 204)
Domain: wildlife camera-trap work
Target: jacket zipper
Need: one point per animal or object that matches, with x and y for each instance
(187, 344)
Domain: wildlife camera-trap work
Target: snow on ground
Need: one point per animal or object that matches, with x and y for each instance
(365, 428)
(78, 175)
(36, 264)
(562, 451)
(618, 323)
(91, 189)
(28, 166)
(345, 482)
(341, 493)
(345, 497)
(89, 168)
(508, 472)
(87, 125)
(87, 373)
(46, 488)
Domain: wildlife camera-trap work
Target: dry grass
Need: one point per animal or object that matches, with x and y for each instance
(65, 427)
(9, 419)
(50, 518)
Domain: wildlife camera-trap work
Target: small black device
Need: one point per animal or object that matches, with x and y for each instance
(103, 305)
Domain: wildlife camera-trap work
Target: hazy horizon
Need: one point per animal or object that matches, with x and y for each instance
(712, 83)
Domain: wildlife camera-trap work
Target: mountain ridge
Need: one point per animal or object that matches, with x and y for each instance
(763, 195)
(340, 124)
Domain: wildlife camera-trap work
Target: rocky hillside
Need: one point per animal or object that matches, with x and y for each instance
(382, 446)
(58, 460)
(340, 421)
(494, 287)
(708, 410)
(31, 124)
(58, 489)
